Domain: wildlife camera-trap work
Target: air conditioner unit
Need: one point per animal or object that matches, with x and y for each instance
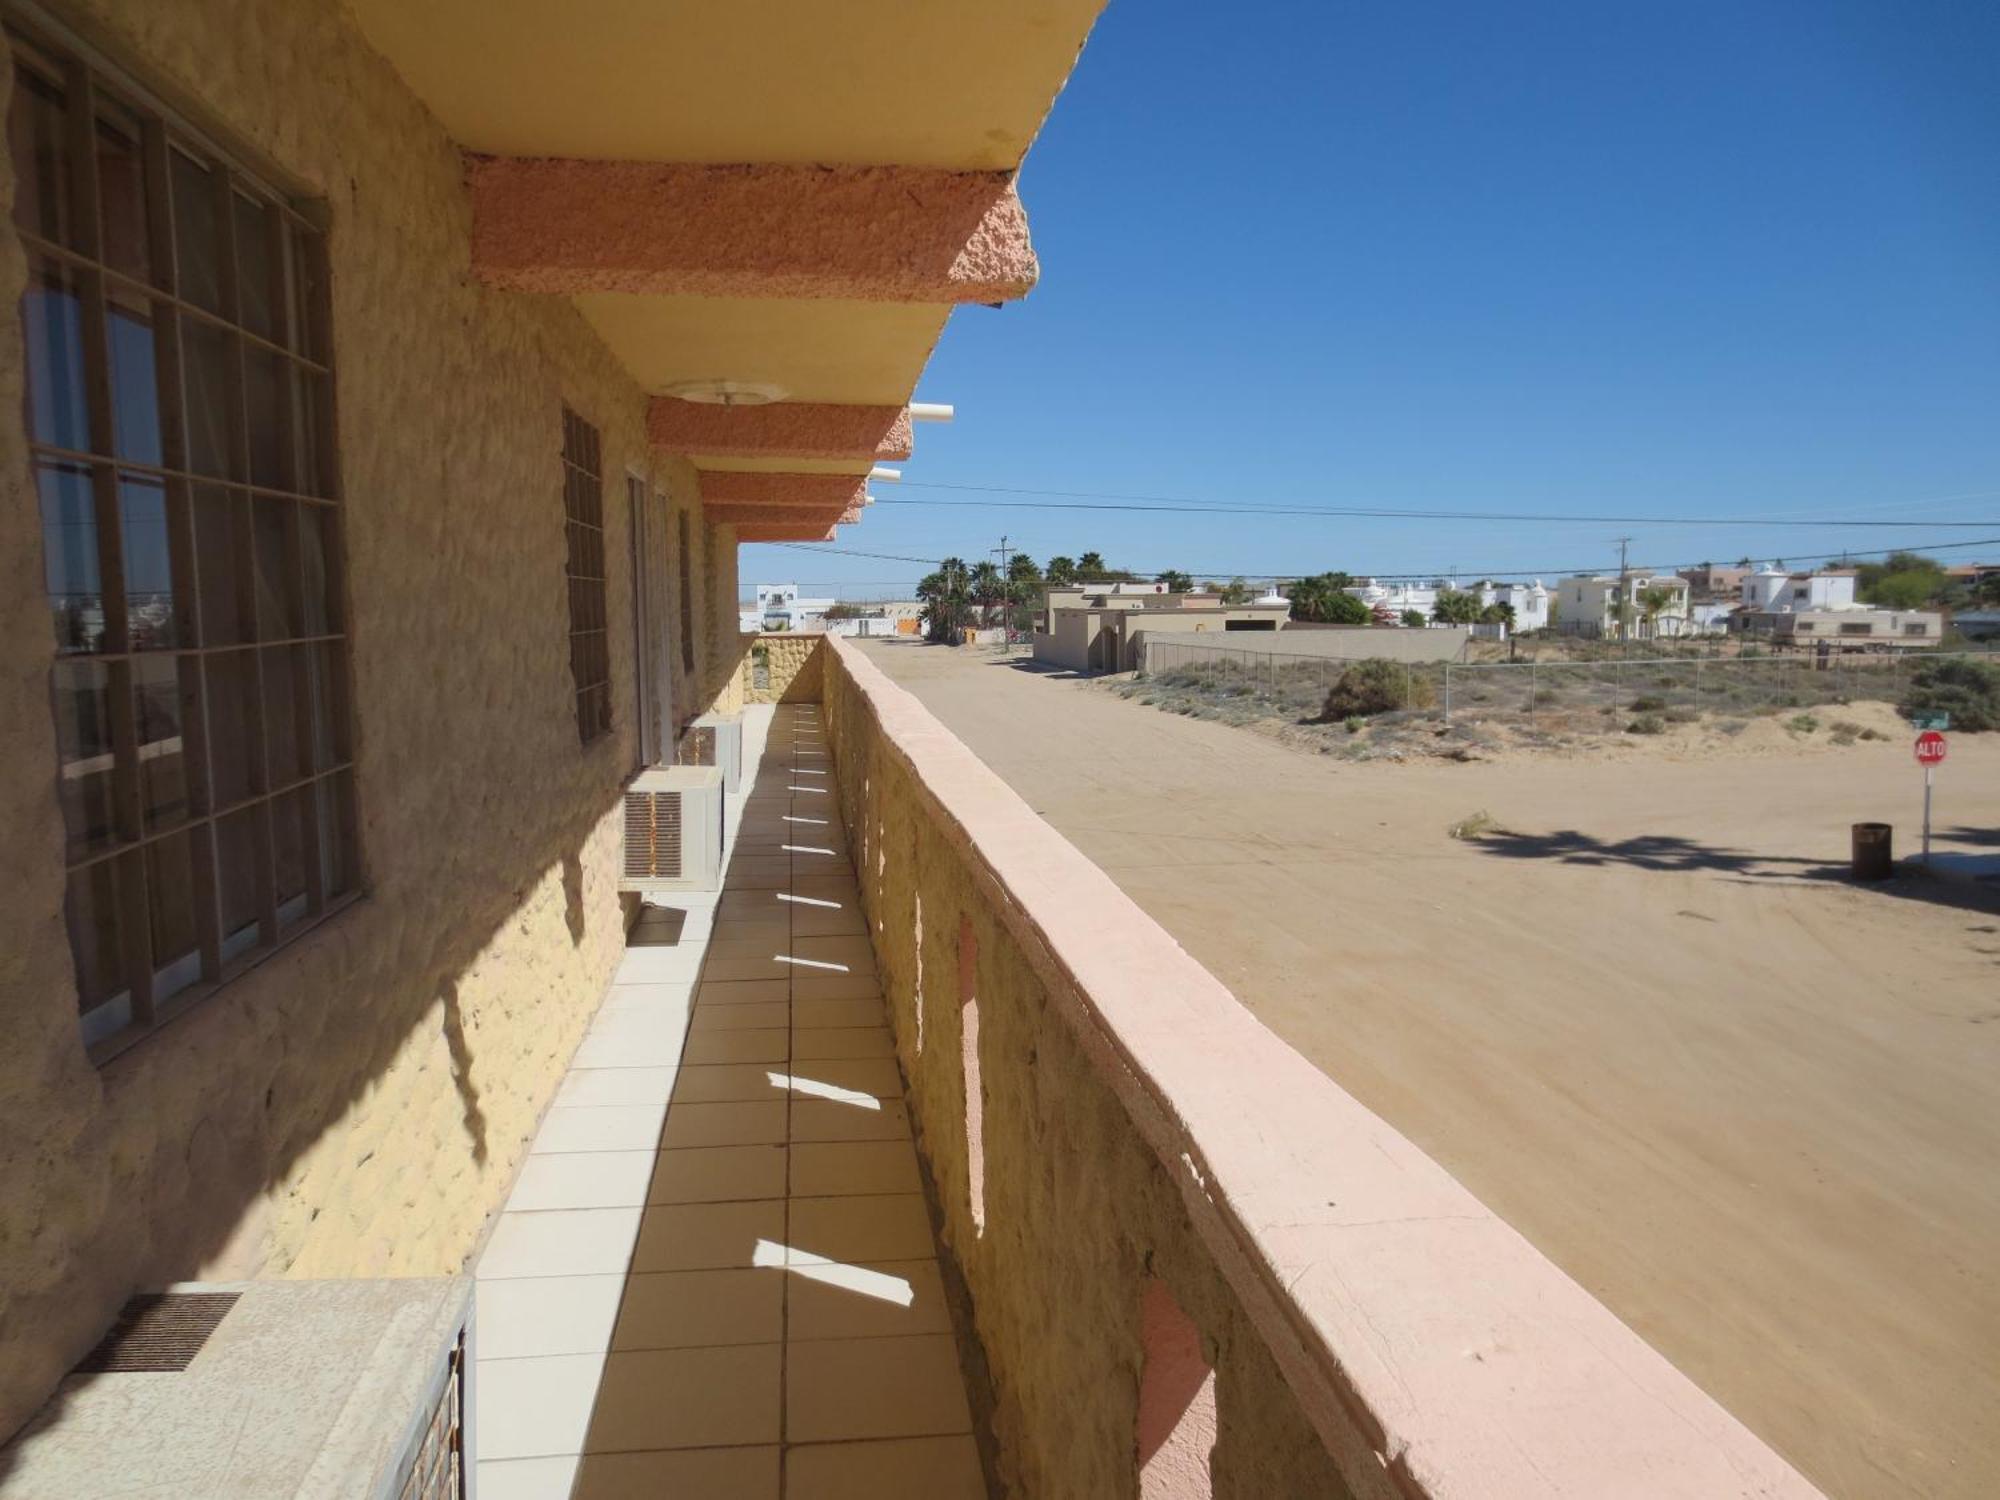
(714, 740)
(673, 830)
(319, 1390)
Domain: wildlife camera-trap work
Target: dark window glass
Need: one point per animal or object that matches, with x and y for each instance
(209, 395)
(583, 510)
(277, 579)
(176, 933)
(234, 745)
(69, 555)
(325, 700)
(149, 567)
(282, 755)
(308, 428)
(306, 296)
(257, 291)
(239, 866)
(38, 140)
(198, 245)
(52, 328)
(321, 589)
(135, 386)
(121, 194)
(339, 872)
(159, 697)
(292, 818)
(266, 410)
(220, 523)
(84, 755)
(97, 931)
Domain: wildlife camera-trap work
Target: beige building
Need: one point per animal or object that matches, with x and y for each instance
(1616, 606)
(1094, 628)
(1856, 626)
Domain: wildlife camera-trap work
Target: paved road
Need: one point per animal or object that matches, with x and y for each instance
(1755, 1110)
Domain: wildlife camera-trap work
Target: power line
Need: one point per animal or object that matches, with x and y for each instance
(1547, 572)
(1165, 505)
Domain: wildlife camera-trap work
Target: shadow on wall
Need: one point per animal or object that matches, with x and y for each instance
(219, 1141)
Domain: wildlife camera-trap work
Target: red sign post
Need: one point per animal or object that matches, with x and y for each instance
(1930, 748)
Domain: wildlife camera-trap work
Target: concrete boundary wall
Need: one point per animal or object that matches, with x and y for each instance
(1374, 1330)
(1159, 651)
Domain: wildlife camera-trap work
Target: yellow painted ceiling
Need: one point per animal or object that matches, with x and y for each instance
(941, 83)
(848, 353)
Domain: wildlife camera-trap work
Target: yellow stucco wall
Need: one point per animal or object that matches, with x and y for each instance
(1078, 1210)
(357, 1104)
(792, 668)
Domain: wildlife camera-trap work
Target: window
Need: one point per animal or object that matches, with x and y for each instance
(583, 522)
(1858, 627)
(1917, 628)
(687, 599)
(1802, 627)
(179, 416)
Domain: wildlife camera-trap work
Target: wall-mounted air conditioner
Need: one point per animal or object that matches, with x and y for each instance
(714, 740)
(313, 1390)
(673, 830)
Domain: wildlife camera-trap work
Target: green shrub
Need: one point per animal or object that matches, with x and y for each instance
(1802, 723)
(1845, 733)
(1355, 723)
(1647, 724)
(1968, 690)
(1648, 704)
(1376, 686)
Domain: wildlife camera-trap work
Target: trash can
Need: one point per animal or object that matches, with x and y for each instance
(1874, 858)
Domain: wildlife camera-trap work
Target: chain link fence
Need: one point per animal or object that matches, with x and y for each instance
(1295, 686)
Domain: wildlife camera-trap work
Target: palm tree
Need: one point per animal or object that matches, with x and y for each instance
(1176, 581)
(1091, 565)
(986, 588)
(1061, 572)
(943, 594)
(1652, 601)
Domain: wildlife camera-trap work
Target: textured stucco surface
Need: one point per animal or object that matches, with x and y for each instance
(1079, 1212)
(795, 667)
(784, 429)
(826, 491)
(870, 234)
(355, 1106)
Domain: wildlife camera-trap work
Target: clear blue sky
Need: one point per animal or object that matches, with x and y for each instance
(1676, 259)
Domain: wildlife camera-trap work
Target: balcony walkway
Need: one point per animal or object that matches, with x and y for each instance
(716, 1276)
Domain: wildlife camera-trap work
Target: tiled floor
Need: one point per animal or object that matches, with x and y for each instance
(715, 1279)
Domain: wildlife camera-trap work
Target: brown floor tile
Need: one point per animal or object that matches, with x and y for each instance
(725, 1083)
(826, 1120)
(712, 1236)
(719, 1174)
(855, 951)
(761, 1014)
(742, 992)
(762, 966)
(935, 1468)
(843, 1168)
(688, 1398)
(875, 1076)
(683, 1309)
(740, 1124)
(813, 1043)
(838, 1389)
(832, 1013)
(705, 1047)
(710, 1473)
(823, 984)
(888, 1299)
(892, 1226)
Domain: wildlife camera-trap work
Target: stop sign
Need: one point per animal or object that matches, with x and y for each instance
(1930, 748)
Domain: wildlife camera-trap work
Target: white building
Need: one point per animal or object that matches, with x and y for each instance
(1398, 597)
(1530, 602)
(1611, 606)
(779, 607)
(1771, 591)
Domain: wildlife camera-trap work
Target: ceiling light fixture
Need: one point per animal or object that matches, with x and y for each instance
(728, 392)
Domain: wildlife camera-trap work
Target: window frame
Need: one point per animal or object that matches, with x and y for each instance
(586, 573)
(297, 802)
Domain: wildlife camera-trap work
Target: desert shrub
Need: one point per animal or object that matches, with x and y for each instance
(1681, 716)
(1648, 704)
(1355, 723)
(1968, 690)
(1473, 826)
(1844, 733)
(1376, 686)
(1647, 724)
(1802, 724)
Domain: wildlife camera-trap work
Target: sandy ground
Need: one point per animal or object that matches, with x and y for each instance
(1753, 1108)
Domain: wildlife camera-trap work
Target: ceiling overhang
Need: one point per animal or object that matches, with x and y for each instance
(788, 196)
(868, 234)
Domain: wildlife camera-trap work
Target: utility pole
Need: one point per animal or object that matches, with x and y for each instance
(1623, 542)
(1006, 589)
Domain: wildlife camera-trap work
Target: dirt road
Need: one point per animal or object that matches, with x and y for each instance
(1753, 1108)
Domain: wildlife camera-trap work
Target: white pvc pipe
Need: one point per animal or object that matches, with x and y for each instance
(884, 475)
(930, 411)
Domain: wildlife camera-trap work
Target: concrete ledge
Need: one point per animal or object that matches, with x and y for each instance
(784, 429)
(873, 234)
(1433, 1351)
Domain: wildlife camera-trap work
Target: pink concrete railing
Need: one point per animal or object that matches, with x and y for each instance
(1195, 1265)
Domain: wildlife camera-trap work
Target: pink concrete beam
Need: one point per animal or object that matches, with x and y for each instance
(773, 515)
(765, 531)
(784, 429)
(874, 234)
(724, 487)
